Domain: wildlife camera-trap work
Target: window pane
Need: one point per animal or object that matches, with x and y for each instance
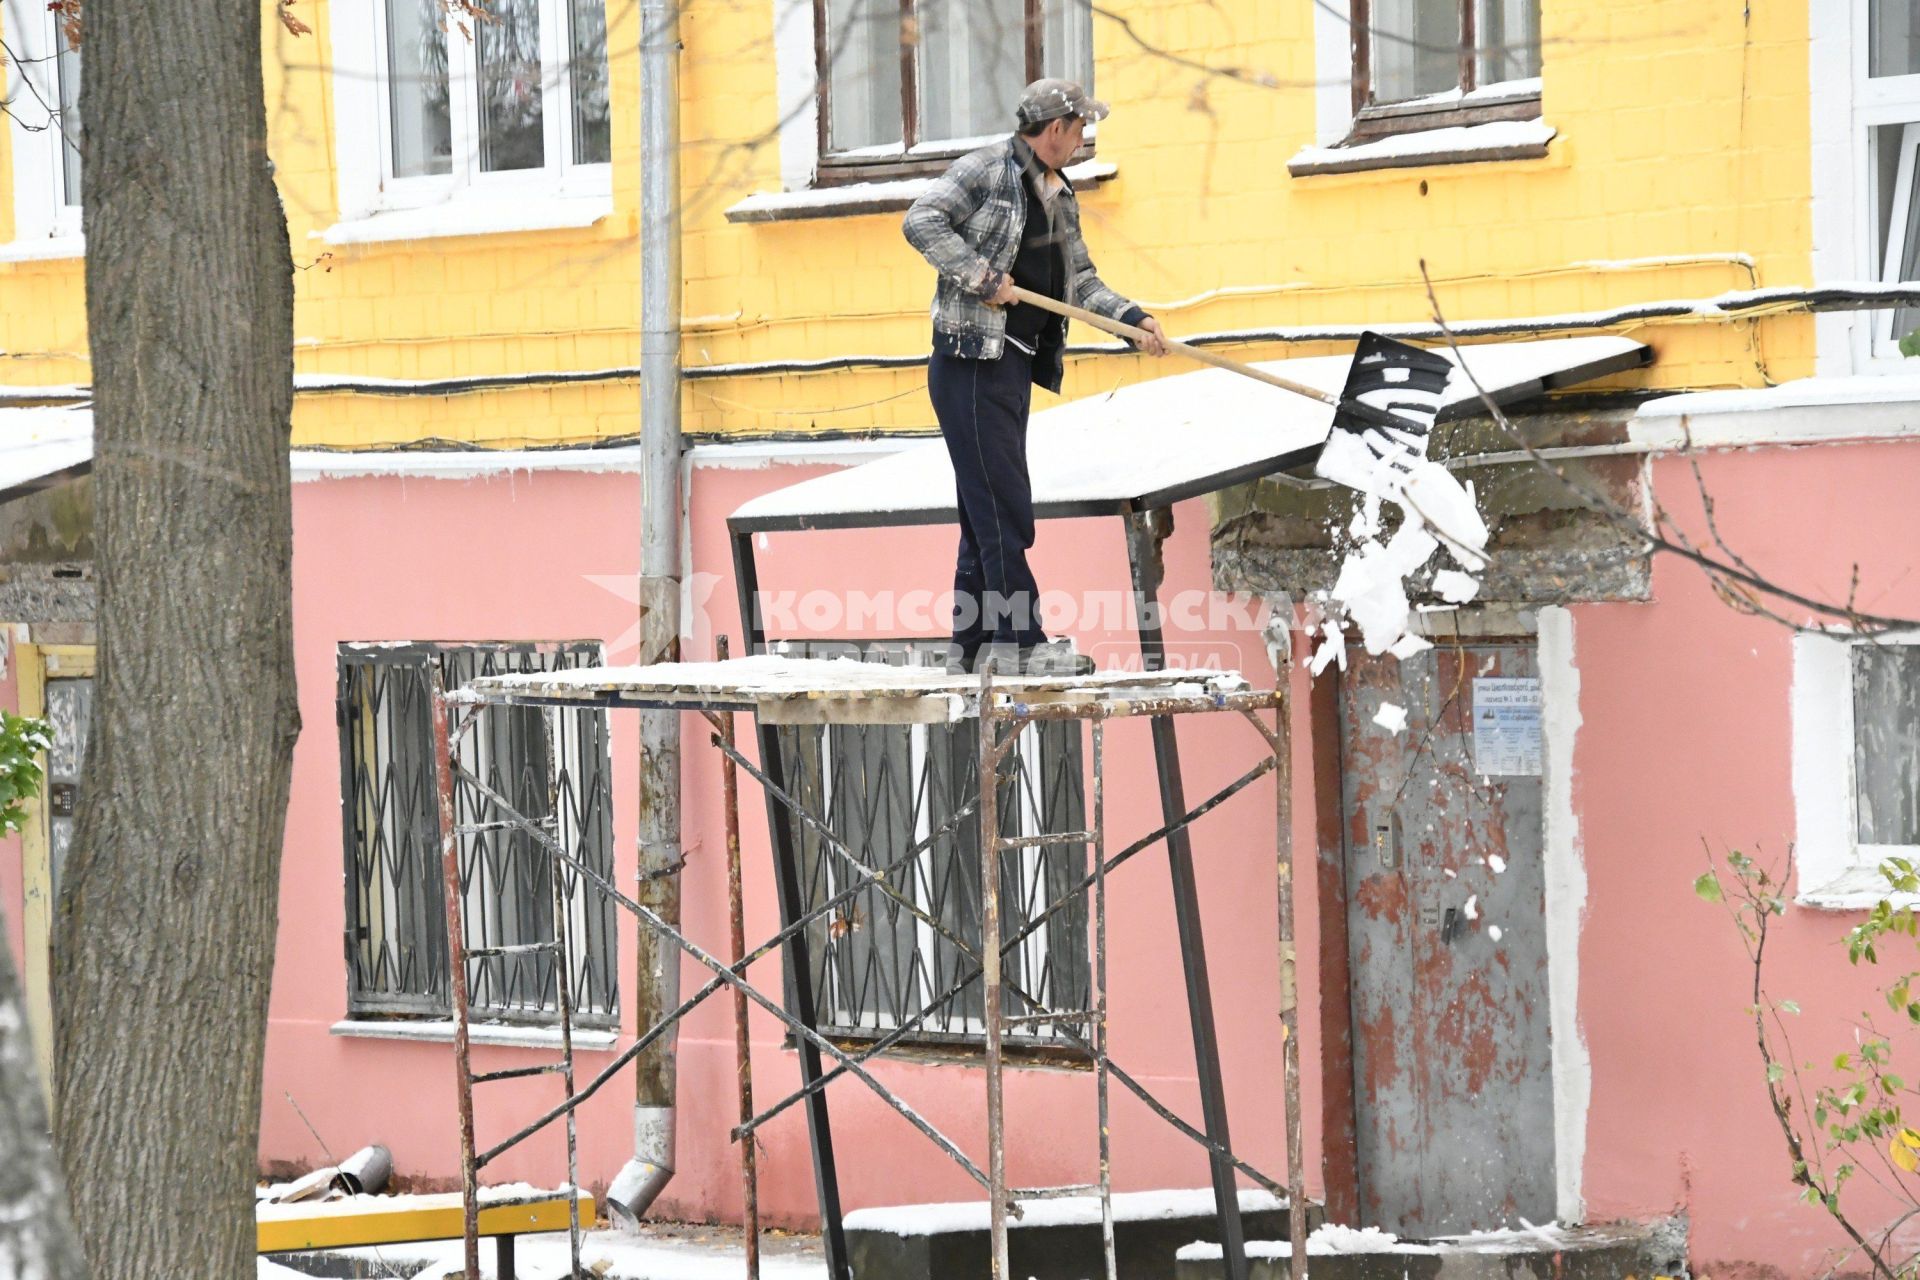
(67, 66)
(1067, 49)
(1886, 740)
(417, 88)
(1507, 35)
(1897, 244)
(509, 88)
(973, 64)
(863, 74)
(1416, 48)
(1893, 47)
(592, 135)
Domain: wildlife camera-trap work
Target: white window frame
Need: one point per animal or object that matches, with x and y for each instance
(1835, 870)
(1847, 106)
(796, 70)
(525, 199)
(42, 219)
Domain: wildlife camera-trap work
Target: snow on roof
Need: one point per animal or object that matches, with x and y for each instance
(40, 442)
(1068, 1211)
(1798, 394)
(1161, 440)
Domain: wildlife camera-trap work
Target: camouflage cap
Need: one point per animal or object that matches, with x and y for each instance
(1050, 99)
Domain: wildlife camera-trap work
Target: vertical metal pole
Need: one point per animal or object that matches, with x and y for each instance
(826, 1176)
(737, 939)
(657, 962)
(1280, 648)
(563, 990)
(1100, 994)
(1144, 533)
(989, 775)
(456, 966)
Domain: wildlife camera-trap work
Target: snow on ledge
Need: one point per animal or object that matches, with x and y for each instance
(44, 249)
(471, 217)
(1069, 1211)
(873, 197)
(1459, 144)
(1804, 411)
(441, 1032)
(1333, 1239)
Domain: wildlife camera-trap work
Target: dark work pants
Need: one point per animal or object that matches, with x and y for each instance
(982, 407)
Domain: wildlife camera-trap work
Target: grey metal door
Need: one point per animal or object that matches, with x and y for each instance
(1447, 944)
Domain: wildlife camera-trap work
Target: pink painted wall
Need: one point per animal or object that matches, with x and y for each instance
(1685, 738)
(510, 559)
(1687, 741)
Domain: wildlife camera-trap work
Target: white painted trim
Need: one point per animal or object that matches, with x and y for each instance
(1809, 411)
(1835, 174)
(480, 464)
(794, 90)
(467, 214)
(460, 464)
(1834, 871)
(1566, 901)
(1332, 74)
(40, 213)
(440, 1031)
(361, 147)
(750, 455)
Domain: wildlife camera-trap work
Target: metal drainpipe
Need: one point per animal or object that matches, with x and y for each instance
(658, 971)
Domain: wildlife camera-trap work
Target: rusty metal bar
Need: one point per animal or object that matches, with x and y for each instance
(563, 987)
(1055, 907)
(1134, 708)
(1101, 1067)
(653, 921)
(456, 968)
(1280, 740)
(737, 949)
(989, 776)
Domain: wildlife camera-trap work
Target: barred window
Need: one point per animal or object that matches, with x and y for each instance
(885, 788)
(550, 764)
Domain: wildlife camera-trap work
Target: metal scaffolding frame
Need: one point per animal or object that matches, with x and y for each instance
(892, 696)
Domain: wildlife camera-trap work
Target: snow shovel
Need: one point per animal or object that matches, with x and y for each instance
(1390, 384)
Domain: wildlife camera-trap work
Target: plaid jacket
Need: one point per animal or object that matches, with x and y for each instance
(969, 227)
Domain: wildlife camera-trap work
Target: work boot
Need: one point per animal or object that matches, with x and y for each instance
(1002, 658)
(1054, 658)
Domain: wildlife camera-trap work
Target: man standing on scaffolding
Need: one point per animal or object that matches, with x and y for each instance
(1004, 216)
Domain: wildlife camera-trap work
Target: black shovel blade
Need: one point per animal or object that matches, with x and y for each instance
(1393, 385)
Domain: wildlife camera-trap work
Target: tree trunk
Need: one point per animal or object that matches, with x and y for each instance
(36, 1234)
(164, 934)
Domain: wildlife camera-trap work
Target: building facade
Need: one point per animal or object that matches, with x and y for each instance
(462, 195)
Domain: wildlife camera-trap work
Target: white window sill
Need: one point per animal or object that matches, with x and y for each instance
(490, 1033)
(1804, 411)
(49, 249)
(1461, 144)
(471, 217)
(874, 197)
(1860, 889)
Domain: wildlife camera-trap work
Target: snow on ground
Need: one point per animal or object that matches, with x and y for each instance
(666, 1252)
(1128, 1206)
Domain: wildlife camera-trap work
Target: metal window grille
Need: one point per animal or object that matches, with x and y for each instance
(884, 788)
(551, 765)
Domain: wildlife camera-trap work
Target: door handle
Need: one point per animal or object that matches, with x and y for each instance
(1386, 846)
(1447, 924)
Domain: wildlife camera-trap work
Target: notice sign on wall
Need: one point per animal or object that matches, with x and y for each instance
(1506, 727)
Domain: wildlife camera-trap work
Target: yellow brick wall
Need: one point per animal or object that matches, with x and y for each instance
(1682, 125)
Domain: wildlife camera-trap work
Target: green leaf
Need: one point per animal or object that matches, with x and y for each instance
(1708, 887)
(1910, 345)
(1775, 1072)
(1789, 1006)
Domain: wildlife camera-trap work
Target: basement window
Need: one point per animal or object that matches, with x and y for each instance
(882, 789)
(551, 764)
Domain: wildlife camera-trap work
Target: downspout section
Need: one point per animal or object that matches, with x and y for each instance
(657, 988)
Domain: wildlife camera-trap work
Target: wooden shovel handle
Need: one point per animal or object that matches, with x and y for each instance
(1130, 332)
